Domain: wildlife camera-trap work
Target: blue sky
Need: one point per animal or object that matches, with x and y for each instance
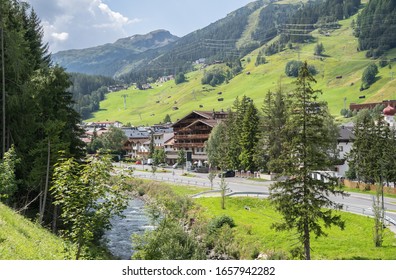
(76, 24)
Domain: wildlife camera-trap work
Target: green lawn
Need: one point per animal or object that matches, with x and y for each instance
(254, 231)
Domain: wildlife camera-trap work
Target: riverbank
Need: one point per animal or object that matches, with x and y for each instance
(253, 234)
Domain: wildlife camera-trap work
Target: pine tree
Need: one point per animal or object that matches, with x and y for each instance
(302, 198)
(249, 138)
(274, 120)
(372, 159)
(151, 146)
(39, 117)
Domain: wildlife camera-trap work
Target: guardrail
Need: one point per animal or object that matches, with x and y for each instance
(172, 180)
(345, 207)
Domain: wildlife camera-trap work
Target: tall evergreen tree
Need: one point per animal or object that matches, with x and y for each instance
(302, 198)
(370, 157)
(274, 120)
(39, 119)
(249, 138)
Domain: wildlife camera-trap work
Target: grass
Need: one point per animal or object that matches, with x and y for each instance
(187, 190)
(341, 59)
(354, 190)
(180, 190)
(20, 239)
(254, 231)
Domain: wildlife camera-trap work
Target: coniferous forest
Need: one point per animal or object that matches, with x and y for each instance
(37, 117)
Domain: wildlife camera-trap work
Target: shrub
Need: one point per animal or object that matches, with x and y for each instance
(220, 221)
(293, 68)
(369, 74)
(214, 77)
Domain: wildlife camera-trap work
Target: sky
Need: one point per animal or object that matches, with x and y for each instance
(77, 24)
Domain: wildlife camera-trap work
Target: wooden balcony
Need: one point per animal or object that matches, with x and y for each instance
(189, 145)
(191, 136)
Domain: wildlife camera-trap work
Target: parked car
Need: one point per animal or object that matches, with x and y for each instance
(228, 173)
(138, 162)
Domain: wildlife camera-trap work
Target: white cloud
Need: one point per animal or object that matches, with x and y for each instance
(80, 23)
(60, 36)
(113, 16)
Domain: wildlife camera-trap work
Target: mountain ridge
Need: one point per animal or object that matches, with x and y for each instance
(109, 58)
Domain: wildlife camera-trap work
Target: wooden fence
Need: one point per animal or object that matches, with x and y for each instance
(364, 186)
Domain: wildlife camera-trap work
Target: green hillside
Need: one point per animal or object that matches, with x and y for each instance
(341, 58)
(21, 239)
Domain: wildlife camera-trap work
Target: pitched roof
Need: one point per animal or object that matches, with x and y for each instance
(211, 123)
(345, 134)
(208, 115)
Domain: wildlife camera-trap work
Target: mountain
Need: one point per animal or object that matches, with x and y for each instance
(339, 73)
(110, 59)
(134, 59)
(160, 53)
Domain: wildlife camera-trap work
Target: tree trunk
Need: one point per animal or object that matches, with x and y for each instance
(79, 245)
(3, 99)
(307, 241)
(46, 182)
(54, 220)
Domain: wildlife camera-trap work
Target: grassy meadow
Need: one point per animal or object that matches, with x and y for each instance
(20, 239)
(340, 58)
(253, 230)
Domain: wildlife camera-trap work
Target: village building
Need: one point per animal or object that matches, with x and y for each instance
(344, 146)
(389, 115)
(136, 148)
(357, 107)
(193, 130)
(105, 124)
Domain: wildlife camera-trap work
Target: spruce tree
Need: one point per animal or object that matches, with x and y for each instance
(371, 156)
(249, 138)
(303, 198)
(274, 120)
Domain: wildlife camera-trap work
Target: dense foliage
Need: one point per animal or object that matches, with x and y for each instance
(8, 184)
(318, 14)
(88, 91)
(91, 200)
(376, 27)
(369, 75)
(372, 162)
(39, 119)
(293, 66)
(234, 144)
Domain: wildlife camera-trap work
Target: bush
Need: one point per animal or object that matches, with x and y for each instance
(168, 241)
(369, 74)
(214, 77)
(220, 221)
(180, 78)
(293, 68)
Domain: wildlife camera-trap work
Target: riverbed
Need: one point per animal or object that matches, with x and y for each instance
(118, 238)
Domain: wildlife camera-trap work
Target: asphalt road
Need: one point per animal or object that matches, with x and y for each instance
(354, 203)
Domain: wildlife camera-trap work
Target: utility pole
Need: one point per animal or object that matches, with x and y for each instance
(125, 97)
